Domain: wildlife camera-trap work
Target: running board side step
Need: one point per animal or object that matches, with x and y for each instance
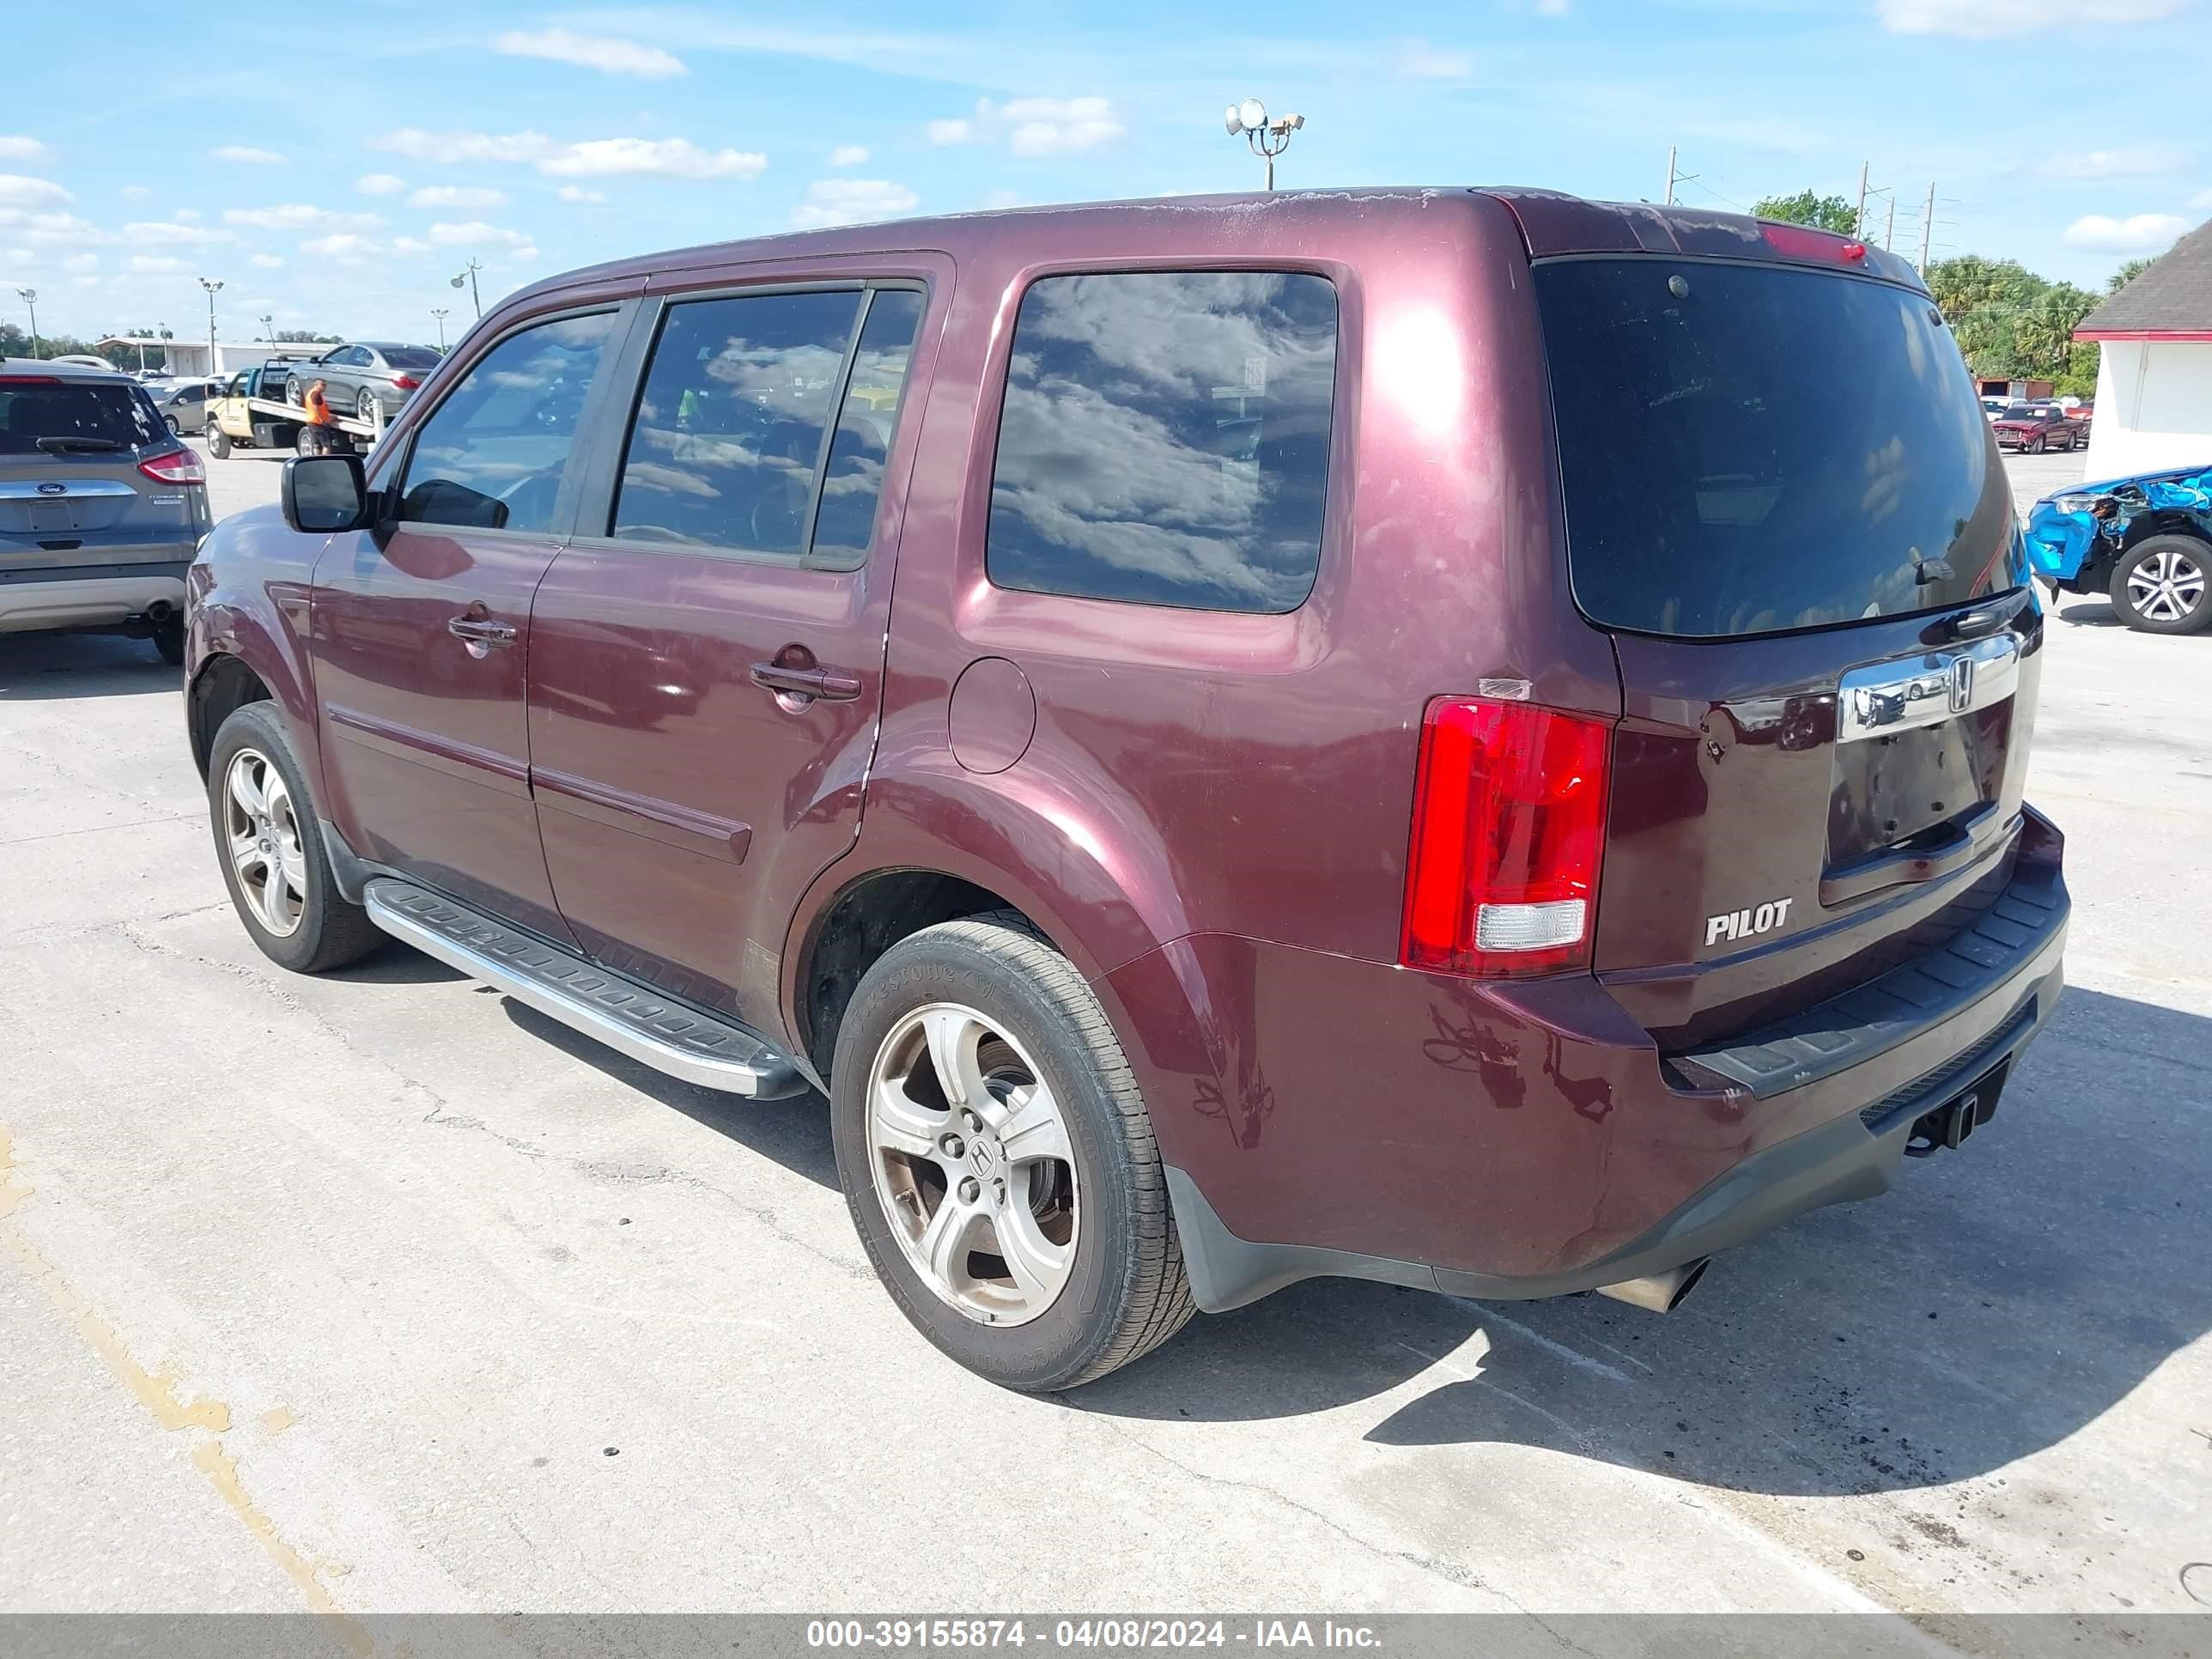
(625, 1014)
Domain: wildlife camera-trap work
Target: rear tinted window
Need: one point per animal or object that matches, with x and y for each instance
(119, 414)
(1746, 450)
(410, 357)
(1165, 438)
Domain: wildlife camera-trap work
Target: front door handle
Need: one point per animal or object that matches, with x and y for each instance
(482, 636)
(829, 684)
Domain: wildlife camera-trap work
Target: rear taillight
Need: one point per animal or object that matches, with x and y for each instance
(1508, 830)
(406, 382)
(182, 468)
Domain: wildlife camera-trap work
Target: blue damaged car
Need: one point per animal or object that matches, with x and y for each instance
(2146, 541)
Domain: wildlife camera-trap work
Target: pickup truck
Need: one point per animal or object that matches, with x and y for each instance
(2034, 428)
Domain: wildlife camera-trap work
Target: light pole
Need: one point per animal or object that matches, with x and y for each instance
(439, 312)
(1268, 139)
(29, 296)
(213, 288)
(162, 330)
(269, 327)
(469, 276)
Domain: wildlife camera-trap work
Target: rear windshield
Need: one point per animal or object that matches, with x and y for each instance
(1748, 449)
(411, 356)
(120, 413)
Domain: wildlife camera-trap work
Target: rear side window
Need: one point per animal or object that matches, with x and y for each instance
(1746, 449)
(412, 358)
(491, 454)
(733, 445)
(99, 417)
(1165, 438)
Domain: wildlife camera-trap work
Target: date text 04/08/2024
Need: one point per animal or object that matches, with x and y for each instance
(1086, 1634)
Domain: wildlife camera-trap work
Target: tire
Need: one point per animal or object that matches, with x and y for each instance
(175, 431)
(2163, 585)
(328, 931)
(364, 407)
(1121, 1290)
(169, 641)
(2037, 446)
(218, 443)
(294, 392)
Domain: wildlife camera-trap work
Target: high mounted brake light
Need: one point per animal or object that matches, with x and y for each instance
(1508, 831)
(1801, 243)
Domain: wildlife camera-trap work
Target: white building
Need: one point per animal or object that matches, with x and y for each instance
(188, 359)
(2154, 370)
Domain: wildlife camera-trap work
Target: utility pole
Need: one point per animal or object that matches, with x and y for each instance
(1889, 231)
(29, 296)
(1858, 225)
(1674, 178)
(1928, 228)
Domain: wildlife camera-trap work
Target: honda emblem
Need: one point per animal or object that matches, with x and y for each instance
(1962, 684)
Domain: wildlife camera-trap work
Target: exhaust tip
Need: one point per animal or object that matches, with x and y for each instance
(1659, 1292)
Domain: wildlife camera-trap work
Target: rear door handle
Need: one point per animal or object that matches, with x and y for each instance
(831, 684)
(481, 635)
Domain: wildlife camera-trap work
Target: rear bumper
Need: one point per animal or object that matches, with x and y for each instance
(90, 596)
(1580, 1158)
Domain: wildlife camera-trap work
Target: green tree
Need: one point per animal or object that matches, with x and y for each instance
(2126, 273)
(1805, 207)
(1970, 283)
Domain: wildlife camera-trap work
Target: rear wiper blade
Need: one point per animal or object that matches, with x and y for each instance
(78, 445)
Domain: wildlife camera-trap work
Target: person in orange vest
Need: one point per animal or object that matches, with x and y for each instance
(318, 415)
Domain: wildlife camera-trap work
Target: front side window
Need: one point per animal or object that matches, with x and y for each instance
(491, 454)
(1165, 438)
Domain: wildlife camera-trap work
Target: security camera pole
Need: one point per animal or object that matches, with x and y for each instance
(1268, 139)
(213, 288)
(469, 276)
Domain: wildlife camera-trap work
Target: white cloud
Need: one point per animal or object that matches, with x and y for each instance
(298, 216)
(409, 244)
(136, 192)
(849, 156)
(594, 158)
(185, 215)
(21, 189)
(81, 262)
(52, 228)
(456, 196)
(523, 255)
(1551, 8)
(247, 153)
(578, 193)
(476, 234)
(342, 247)
(19, 147)
(1985, 20)
(151, 264)
(266, 262)
(666, 158)
(608, 53)
(379, 184)
(2202, 199)
(465, 146)
(1419, 61)
(2141, 233)
(163, 233)
(1034, 126)
(2114, 164)
(848, 200)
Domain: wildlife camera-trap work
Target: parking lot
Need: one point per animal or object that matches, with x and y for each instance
(382, 1292)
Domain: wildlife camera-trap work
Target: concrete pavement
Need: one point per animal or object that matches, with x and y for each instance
(377, 1293)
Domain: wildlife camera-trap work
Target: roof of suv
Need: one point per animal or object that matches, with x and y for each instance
(1550, 224)
(50, 369)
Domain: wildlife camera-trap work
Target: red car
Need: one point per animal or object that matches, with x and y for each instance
(1277, 823)
(2033, 427)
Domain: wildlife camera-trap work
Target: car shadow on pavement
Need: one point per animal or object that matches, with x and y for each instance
(2093, 613)
(794, 1133)
(45, 668)
(1995, 1301)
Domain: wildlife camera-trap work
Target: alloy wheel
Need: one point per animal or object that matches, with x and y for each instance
(262, 833)
(2168, 586)
(971, 1161)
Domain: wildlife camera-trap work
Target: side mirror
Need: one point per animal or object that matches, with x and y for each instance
(325, 494)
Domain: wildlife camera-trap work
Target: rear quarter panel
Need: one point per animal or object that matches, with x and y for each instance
(246, 597)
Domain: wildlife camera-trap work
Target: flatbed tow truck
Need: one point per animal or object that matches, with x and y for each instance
(243, 416)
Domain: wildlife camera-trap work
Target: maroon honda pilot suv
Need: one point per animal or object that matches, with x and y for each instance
(1377, 733)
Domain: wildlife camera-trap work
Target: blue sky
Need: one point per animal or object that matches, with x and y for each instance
(335, 163)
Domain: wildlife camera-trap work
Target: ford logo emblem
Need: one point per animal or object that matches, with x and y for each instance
(53, 489)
